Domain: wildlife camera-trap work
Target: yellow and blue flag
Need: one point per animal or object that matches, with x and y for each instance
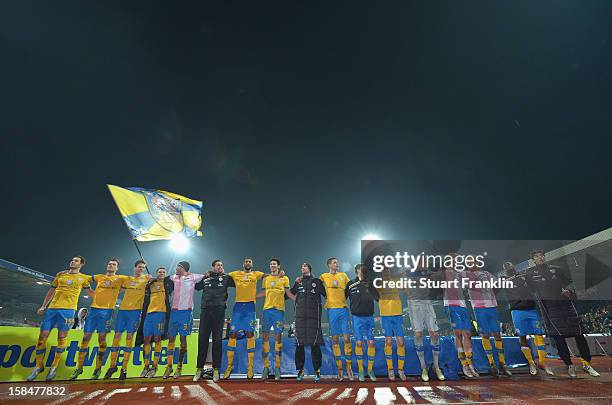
(156, 214)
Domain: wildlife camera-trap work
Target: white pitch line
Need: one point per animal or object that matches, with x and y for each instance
(217, 387)
(345, 394)
(113, 393)
(91, 396)
(362, 394)
(66, 397)
(428, 394)
(327, 394)
(142, 389)
(252, 395)
(176, 392)
(200, 393)
(158, 390)
(308, 393)
(456, 395)
(405, 393)
(384, 396)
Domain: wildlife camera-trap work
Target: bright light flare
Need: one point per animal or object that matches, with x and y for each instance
(370, 236)
(179, 243)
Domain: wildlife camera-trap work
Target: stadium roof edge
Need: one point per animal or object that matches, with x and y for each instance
(25, 271)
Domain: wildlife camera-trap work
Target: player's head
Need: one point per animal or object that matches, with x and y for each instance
(139, 267)
(217, 266)
(77, 262)
(509, 269)
(112, 266)
(538, 256)
(160, 273)
(182, 268)
(306, 269)
(247, 264)
(333, 264)
(360, 270)
(274, 265)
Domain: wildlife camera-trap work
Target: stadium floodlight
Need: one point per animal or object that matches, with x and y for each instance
(179, 243)
(370, 236)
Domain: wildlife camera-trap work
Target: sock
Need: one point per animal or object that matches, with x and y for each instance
(182, 352)
(147, 354)
(584, 362)
(371, 355)
(157, 354)
(115, 350)
(348, 354)
(420, 350)
(250, 352)
(265, 346)
(336, 350)
(171, 353)
(486, 343)
(231, 350)
(541, 347)
(278, 347)
(435, 353)
(41, 348)
(499, 346)
(527, 353)
(462, 357)
(468, 357)
(82, 353)
(61, 346)
(389, 355)
(401, 356)
(359, 354)
(101, 353)
(128, 351)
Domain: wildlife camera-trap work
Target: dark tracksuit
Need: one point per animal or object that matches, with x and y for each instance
(362, 295)
(212, 316)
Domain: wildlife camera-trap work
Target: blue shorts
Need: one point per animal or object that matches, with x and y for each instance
(487, 320)
(62, 319)
(154, 324)
(99, 320)
(458, 317)
(273, 319)
(527, 322)
(243, 317)
(338, 319)
(393, 325)
(180, 322)
(363, 327)
(127, 320)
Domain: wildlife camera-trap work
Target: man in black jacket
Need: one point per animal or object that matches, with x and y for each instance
(309, 292)
(362, 294)
(551, 286)
(212, 316)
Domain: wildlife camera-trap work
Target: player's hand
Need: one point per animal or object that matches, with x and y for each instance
(566, 293)
(281, 273)
(40, 310)
(299, 280)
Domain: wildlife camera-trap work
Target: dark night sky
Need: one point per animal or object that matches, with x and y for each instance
(303, 126)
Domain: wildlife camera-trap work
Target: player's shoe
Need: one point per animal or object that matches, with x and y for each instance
(371, 375)
(401, 374)
(35, 373)
(571, 371)
(424, 375)
(505, 370)
(592, 372)
(144, 372)
(349, 374)
(391, 375)
(122, 374)
(277, 374)
(547, 369)
(96, 373)
(178, 372)
(467, 372)
(51, 374)
(533, 370)
(265, 373)
(361, 376)
(215, 375)
(152, 372)
(317, 377)
(197, 375)
(77, 372)
(300, 376)
(168, 372)
(473, 370)
(340, 376)
(493, 369)
(228, 372)
(439, 374)
(250, 372)
(110, 372)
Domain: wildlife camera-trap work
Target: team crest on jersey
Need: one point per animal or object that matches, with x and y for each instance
(335, 283)
(165, 210)
(220, 278)
(273, 283)
(314, 284)
(246, 277)
(69, 282)
(107, 283)
(158, 287)
(133, 283)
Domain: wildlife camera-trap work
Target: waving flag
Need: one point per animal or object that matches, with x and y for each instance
(156, 214)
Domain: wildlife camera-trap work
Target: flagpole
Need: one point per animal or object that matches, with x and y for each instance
(141, 257)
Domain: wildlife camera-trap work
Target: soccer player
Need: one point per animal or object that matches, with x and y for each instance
(275, 287)
(128, 317)
(243, 315)
(181, 315)
(552, 287)
(214, 297)
(390, 306)
(338, 315)
(525, 318)
(308, 292)
(59, 307)
(156, 307)
(423, 316)
(108, 287)
(485, 309)
(362, 294)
